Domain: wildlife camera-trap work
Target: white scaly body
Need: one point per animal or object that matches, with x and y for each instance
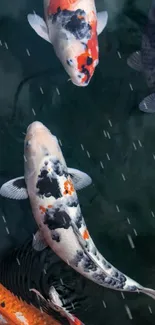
(57, 212)
(72, 27)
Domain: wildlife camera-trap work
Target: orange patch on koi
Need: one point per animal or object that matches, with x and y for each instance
(69, 188)
(62, 4)
(43, 209)
(76, 321)
(91, 52)
(49, 206)
(86, 234)
(11, 307)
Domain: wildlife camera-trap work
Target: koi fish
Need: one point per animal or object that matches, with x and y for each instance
(51, 188)
(72, 27)
(14, 311)
(144, 61)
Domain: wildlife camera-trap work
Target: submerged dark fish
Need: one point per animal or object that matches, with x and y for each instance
(18, 274)
(144, 61)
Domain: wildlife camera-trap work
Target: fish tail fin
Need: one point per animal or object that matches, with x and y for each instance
(147, 105)
(134, 61)
(149, 292)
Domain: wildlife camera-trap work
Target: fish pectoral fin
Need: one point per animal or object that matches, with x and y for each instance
(57, 303)
(80, 179)
(15, 189)
(44, 304)
(102, 19)
(147, 105)
(39, 243)
(39, 25)
(48, 306)
(134, 61)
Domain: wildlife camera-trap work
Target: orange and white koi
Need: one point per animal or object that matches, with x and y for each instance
(51, 188)
(72, 26)
(14, 311)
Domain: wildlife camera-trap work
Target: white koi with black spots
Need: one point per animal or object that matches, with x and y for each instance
(51, 188)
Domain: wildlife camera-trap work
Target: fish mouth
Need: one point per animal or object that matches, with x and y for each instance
(80, 84)
(36, 125)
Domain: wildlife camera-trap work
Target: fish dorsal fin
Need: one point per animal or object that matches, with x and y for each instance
(39, 25)
(134, 61)
(39, 243)
(15, 189)
(80, 179)
(102, 19)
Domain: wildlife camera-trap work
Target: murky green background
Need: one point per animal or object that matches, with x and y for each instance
(104, 118)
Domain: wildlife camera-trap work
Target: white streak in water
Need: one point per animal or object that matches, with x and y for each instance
(18, 262)
(107, 156)
(108, 135)
(82, 146)
(131, 87)
(119, 55)
(152, 213)
(110, 123)
(25, 158)
(61, 281)
(128, 220)
(140, 144)
(104, 304)
(101, 164)
(88, 154)
(6, 45)
(41, 90)
(28, 53)
(135, 232)
(4, 219)
(124, 179)
(134, 146)
(117, 208)
(60, 142)
(58, 92)
(150, 310)
(7, 230)
(33, 111)
(122, 294)
(128, 311)
(131, 241)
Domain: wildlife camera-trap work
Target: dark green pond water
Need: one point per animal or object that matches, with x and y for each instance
(104, 118)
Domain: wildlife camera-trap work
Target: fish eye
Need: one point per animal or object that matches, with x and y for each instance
(28, 143)
(70, 62)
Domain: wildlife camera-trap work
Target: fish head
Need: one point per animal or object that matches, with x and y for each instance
(78, 54)
(39, 144)
(80, 61)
